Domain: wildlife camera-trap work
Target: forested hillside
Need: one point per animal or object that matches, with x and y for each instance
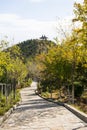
(23, 63)
(31, 48)
(29, 51)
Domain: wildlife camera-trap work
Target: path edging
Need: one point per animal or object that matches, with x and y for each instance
(78, 113)
(47, 99)
(7, 114)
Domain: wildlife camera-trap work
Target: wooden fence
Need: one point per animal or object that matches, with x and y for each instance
(7, 90)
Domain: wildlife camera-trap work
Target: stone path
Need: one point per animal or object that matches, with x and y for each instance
(34, 113)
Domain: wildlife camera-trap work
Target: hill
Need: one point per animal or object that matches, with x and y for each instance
(31, 48)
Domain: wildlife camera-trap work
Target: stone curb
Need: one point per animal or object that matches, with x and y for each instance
(10, 111)
(7, 114)
(78, 113)
(50, 100)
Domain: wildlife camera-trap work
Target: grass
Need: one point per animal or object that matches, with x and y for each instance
(5, 105)
(80, 105)
(45, 94)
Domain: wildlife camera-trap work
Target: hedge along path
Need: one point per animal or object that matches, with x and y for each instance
(35, 113)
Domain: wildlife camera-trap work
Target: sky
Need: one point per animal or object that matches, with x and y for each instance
(30, 19)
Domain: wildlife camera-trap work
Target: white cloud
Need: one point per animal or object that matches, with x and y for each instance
(22, 29)
(8, 17)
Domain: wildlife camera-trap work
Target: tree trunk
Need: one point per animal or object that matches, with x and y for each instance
(68, 94)
(73, 93)
(14, 88)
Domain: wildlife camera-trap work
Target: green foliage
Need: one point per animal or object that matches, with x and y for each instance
(31, 48)
(84, 95)
(18, 70)
(54, 65)
(6, 105)
(45, 94)
(66, 63)
(26, 83)
(78, 89)
(81, 16)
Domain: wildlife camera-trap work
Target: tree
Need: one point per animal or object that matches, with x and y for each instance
(4, 43)
(81, 16)
(18, 70)
(4, 60)
(57, 68)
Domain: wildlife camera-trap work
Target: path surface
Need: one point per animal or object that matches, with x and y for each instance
(34, 113)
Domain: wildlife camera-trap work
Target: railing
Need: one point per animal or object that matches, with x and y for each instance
(7, 92)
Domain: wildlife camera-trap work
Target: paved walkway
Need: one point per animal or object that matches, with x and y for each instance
(34, 113)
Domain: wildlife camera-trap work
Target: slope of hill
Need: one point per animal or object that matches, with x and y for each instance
(31, 48)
